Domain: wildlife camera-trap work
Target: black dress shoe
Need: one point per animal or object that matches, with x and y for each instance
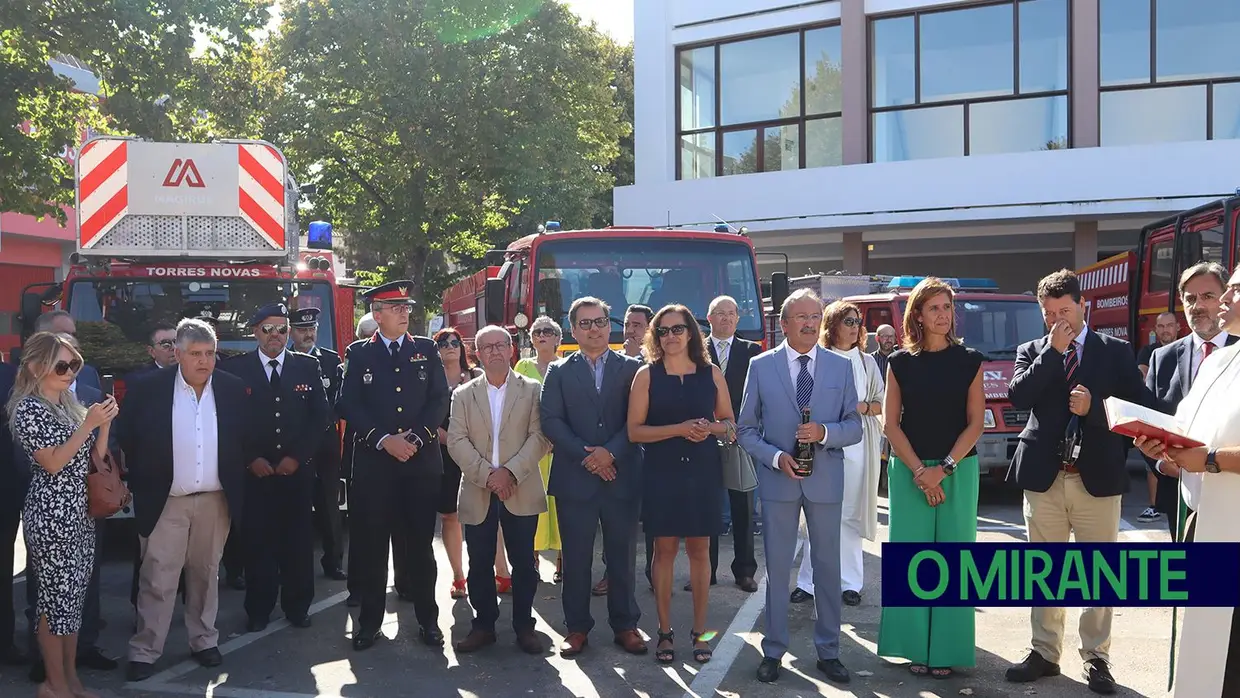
(336, 574)
(139, 671)
(834, 670)
(209, 657)
(353, 601)
(689, 585)
(747, 584)
(431, 637)
(299, 621)
(799, 595)
(1099, 677)
(94, 658)
(852, 598)
(38, 673)
(256, 625)
(365, 639)
(768, 670)
(236, 582)
(1033, 668)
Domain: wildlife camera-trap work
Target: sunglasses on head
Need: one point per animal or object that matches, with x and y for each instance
(674, 329)
(851, 321)
(63, 367)
(448, 342)
(270, 328)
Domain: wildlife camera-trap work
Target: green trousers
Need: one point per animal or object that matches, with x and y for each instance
(935, 637)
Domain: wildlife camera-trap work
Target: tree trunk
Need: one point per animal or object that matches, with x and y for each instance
(415, 260)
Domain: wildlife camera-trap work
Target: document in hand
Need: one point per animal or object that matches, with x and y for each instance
(1131, 419)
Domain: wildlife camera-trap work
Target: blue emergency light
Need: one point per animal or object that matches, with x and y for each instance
(320, 236)
(978, 285)
(552, 226)
(722, 228)
(906, 283)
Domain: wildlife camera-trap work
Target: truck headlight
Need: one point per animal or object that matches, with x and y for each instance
(990, 419)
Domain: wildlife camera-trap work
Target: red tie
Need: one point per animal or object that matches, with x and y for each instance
(1205, 354)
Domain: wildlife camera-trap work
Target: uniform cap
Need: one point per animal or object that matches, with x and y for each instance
(391, 292)
(268, 311)
(305, 317)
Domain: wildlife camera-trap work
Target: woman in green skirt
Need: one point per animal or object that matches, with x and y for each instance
(936, 410)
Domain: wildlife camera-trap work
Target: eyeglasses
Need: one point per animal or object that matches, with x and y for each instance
(165, 343)
(451, 342)
(544, 332)
(401, 309)
(802, 318)
(494, 346)
(271, 329)
(674, 329)
(63, 367)
(599, 322)
(851, 322)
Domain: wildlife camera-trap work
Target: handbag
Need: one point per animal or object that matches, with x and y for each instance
(106, 494)
(738, 469)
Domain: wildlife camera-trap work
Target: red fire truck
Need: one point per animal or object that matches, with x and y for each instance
(172, 230)
(542, 273)
(1125, 293)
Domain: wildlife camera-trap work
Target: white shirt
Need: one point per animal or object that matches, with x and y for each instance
(794, 369)
(1219, 341)
(73, 387)
(495, 396)
(267, 362)
(195, 443)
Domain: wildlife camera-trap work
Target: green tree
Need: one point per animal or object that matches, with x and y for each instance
(436, 130)
(153, 84)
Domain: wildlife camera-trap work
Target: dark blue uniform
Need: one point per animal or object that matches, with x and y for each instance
(327, 470)
(384, 394)
(290, 415)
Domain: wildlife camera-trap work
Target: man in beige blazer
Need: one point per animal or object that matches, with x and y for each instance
(495, 435)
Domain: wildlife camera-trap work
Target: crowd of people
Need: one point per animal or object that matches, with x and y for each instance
(234, 463)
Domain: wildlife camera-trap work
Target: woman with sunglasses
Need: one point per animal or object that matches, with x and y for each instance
(844, 335)
(459, 370)
(679, 408)
(58, 433)
(546, 336)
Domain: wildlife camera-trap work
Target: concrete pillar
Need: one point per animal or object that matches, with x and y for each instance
(856, 254)
(1084, 83)
(855, 59)
(1084, 244)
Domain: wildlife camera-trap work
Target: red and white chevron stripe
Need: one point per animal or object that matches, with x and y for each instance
(261, 190)
(103, 193)
(1105, 276)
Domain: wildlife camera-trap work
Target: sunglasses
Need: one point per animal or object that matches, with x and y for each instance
(165, 343)
(852, 321)
(448, 343)
(544, 332)
(599, 322)
(63, 367)
(674, 329)
(270, 329)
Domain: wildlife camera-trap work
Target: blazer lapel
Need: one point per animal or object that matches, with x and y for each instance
(820, 371)
(586, 375)
(781, 368)
(610, 369)
(511, 395)
(1090, 354)
(1184, 363)
(483, 399)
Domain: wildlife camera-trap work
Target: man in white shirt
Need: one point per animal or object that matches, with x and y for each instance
(184, 434)
(495, 435)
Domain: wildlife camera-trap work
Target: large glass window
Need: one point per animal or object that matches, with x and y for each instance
(970, 81)
(1169, 71)
(760, 105)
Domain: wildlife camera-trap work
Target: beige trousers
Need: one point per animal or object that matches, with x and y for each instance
(189, 535)
(1067, 508)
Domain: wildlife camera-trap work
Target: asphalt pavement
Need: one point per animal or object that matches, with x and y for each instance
(287, 662)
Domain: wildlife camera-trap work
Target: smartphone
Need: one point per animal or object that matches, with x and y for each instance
(107, 383)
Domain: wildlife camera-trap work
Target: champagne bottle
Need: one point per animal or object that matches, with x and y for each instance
(805, 452)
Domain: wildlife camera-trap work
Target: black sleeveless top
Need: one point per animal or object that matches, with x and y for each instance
(934, 389)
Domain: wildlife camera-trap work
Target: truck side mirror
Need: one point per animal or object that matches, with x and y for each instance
(779, 290)
(493, 297)
(32, 308)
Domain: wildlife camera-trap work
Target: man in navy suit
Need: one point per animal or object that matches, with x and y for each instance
(1063, 379)
(11, 502)
(1174, 366)
(288, 408)
(595, 474)
(161, 346)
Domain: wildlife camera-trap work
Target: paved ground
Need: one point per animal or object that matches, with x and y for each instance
(285, 662)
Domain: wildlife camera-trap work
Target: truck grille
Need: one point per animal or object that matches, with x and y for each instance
(1015, 418)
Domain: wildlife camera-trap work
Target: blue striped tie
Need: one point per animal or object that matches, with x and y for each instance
(805, 383)
(1070, 363)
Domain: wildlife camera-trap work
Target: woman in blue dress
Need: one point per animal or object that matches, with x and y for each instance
(679, 409)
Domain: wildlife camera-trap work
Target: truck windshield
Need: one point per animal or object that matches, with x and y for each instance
(114, 316)
(997, 327)
(651, 271)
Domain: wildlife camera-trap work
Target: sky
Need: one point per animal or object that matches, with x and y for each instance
(614, 17)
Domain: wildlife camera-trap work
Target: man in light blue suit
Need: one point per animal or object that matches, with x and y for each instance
(782, 382)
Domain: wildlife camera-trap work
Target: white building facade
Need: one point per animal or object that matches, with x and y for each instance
(1000, 138)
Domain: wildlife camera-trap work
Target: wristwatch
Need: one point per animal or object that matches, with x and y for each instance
(949, 465)
(1212, 461)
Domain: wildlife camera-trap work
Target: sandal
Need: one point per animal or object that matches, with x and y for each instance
(666, 655)
(918, 669)
(701, 655)
(941, 672)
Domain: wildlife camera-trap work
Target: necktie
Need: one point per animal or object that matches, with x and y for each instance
(275, 374)
(805, 383)
(395, 347)
(1206, 348)
(723, 355)
(1070, 363)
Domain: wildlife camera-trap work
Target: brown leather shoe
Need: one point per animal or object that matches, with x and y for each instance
(475, 640)
(573, 645)
(600, 589)
(530, 642)
(747, 584)
(631, 642)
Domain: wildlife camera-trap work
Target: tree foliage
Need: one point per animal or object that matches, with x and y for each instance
(434, 131)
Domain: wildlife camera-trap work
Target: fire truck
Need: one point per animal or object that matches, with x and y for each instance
(542, 273)
(988, 321)
(1124, 294)
(167, 231)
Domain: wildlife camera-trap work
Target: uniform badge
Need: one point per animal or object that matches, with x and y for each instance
(367, 378)
(421, 374)
(327, 382)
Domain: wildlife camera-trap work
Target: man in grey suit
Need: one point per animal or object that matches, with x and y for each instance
(782, 382)
(595, 474)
